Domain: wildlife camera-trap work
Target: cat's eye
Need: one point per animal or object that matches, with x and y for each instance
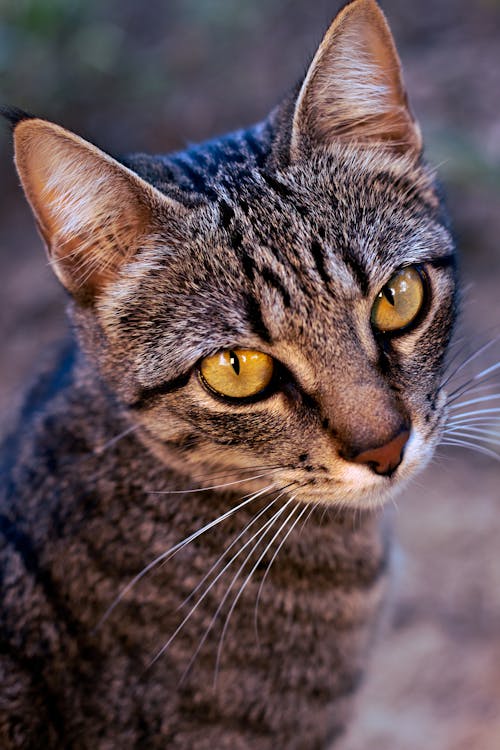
(399, 302)
(237, 373)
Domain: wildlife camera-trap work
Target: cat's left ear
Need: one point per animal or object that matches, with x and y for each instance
(353, 90)
(94, 214)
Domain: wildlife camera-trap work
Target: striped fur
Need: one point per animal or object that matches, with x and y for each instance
(114, 632)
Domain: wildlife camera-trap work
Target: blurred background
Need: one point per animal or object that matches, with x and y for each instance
(155, 76)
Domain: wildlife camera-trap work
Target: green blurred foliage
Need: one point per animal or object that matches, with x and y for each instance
(63, 51)
(95, 66)
(58, 51)
(169, 70)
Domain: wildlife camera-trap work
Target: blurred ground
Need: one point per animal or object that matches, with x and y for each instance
(135, 76)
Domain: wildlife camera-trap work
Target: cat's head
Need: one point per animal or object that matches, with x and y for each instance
(276, 303)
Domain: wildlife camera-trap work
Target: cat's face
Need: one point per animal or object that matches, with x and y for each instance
(291, 322)
(293, 272)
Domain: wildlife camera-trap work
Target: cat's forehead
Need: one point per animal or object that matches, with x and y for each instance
(346, 189)
(351, 216)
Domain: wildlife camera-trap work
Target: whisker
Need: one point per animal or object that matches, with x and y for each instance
(263, 532)
(476, 412)
(176, 547)
(212, 487)
(459, 353)
(273, 558)
(471, 446)
(469, 386)
(323, 515)
(469, 359)
(395, 504)
(462, 341)
(488, 370)
(478, 400)
(486, 421)
(237, 470)
(471, 428)
(314, 505)
(99, 449)
(235, 540)
(209, 588)
(245, 582)
(476, 436)
(269, 489)
(495, 426)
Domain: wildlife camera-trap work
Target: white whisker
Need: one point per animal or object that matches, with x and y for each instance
(273, 558)
(488, 370)
(475, 436)
(469, 359)
(261, 534)
(478, 400)
(231, 472)
(478, 430)
(314, 505)
(173, 550)
(486, 422)
(471, 446)
(235, 540)
(470, 388)
(99, 449)
(209, 588)
(484, 376)
(245, 582)
(495, 410)
(212, 487)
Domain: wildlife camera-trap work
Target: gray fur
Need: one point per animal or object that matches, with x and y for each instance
(280, 254)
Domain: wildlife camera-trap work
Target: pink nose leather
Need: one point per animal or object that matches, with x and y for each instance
(386, 458)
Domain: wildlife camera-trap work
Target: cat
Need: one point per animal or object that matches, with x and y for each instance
(192, 552)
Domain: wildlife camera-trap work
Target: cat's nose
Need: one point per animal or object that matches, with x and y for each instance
(384, 459)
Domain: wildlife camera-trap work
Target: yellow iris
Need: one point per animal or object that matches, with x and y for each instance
(400, 300)
(237, 373)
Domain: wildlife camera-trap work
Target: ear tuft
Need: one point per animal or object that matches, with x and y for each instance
(14, 115)
(354, 90)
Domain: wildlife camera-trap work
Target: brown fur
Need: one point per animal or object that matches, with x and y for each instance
(247, 241)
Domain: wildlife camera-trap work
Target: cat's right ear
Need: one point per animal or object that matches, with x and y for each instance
(93, 213)
(353, 91)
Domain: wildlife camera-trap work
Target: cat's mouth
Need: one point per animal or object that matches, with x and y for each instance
(364, 495)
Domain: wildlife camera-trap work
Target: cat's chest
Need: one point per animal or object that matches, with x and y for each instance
(242, 626)
(241, 592)
(250, 640)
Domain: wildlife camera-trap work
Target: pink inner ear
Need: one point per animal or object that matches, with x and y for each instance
(354, 88)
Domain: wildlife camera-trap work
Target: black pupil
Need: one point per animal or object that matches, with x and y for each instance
(388, 294)
(235, 362)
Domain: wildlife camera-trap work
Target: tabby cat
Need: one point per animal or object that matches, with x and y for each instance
(190, 555)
